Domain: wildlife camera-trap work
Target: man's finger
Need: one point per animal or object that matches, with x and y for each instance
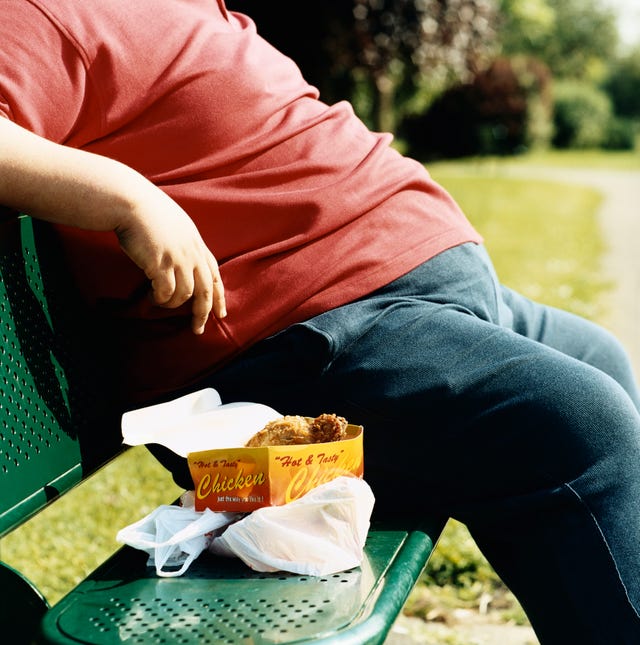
(185, 287)
(219, 303)
(163, 286)
(202, 301)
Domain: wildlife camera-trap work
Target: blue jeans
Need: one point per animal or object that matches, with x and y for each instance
(517, 419)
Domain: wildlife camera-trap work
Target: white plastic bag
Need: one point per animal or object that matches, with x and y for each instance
(321, 533)
(174, 536)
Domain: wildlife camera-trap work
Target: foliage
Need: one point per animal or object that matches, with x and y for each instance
(620, 134)
(399, 41)
(441, 37)
(397, 60)
(623, 85)
(575, 38)
(509, 107)
(380, 54)
(485, 116)
(457, 562)
(582, 115)
(503, 110)
(525, 25)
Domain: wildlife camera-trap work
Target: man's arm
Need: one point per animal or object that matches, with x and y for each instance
(68, 186)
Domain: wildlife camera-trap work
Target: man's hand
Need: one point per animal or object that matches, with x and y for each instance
(163, 241)
(68, 186)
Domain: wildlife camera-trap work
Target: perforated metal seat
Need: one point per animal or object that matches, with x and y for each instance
(222, 601)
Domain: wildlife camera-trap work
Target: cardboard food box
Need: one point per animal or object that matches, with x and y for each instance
(226, 476)
(244, 479)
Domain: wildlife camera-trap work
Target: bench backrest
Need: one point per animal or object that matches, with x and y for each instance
(56, 425)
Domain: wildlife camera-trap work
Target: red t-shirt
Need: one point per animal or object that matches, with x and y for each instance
(304, 208)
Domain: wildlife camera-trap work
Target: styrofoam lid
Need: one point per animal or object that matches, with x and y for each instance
(195, 422)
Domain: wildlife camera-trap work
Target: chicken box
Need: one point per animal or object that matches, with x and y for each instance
(244, 479)
(227, 476)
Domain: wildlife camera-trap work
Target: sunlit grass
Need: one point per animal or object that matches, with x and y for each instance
(614, 160)
(543, 236)
(70, 538)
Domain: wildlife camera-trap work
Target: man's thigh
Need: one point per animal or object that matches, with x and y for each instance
(436, 385)
(572, 335)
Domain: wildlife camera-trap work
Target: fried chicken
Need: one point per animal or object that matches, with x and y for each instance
(328, 427)
(288, 430)
(291, 430)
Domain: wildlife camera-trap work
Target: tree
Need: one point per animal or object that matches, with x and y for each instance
(380, 49)
(575, 38)
(524, 26)
(408, 43)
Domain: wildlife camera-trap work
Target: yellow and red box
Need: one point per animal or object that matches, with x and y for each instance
(244, 479)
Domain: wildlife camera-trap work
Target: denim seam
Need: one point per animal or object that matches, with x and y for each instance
(572, 490)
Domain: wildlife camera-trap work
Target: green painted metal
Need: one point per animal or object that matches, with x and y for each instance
(39, 452)
(22, 607)
(222, 601)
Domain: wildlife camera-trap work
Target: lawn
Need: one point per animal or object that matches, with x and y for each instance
(544, 238)
(121, 493)
(614, 160)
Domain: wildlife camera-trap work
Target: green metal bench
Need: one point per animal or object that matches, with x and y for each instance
(56, 430)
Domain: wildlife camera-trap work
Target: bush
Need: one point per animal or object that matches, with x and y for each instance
(621, 134)
(623, 85)
(582, 115)
(504, 110)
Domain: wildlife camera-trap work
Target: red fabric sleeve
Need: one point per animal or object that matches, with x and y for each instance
(36, 90)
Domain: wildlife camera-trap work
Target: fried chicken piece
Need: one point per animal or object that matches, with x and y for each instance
(292, 430)
(287, 431)
(328, 427)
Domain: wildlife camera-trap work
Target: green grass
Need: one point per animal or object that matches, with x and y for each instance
(543, 236)
(46, 549)
(617, 160)
(545, 242)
